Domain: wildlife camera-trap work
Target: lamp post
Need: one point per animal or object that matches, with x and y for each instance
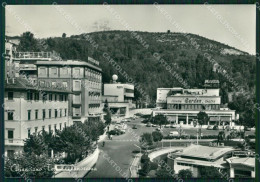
(139, 148)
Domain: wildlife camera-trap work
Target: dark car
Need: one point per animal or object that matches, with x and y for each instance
(215, 127)
(134, 127)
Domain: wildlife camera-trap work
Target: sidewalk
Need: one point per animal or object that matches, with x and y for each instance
(83, 167)
(135, 166)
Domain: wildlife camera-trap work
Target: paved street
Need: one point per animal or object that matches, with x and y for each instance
(118, 152)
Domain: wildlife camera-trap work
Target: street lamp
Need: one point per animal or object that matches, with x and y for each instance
(139, 148)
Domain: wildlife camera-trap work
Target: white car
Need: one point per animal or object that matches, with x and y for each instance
(158, 129)
(123, 130)
(154, 125)
(167, 126)
(174, 133)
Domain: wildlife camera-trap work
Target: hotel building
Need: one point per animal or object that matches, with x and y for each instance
(30, 108)
(119, 97)
(83, 79)
(181, 106)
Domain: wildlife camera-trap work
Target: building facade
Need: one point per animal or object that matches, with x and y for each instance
(119, 97)
(197, 157)
(83, 79)
(31, 108)
(181, 106)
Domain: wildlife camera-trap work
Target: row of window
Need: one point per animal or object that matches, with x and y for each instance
(10, 133)
(51, 114)
(91, 106)
(55, 127)
(55, 72)
(52, 97)
(193, 106)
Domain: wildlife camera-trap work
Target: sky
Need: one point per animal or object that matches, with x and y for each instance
(50, 21)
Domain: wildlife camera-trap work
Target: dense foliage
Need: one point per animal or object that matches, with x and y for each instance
(138, 62)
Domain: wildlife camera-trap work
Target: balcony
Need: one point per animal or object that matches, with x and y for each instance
(35, 55)
(14, 142)
(28, 67)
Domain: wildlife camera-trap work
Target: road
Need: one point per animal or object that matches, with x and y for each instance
(117, 155)
(116, 152)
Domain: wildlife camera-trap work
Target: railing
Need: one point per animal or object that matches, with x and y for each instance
(28, 67)
(35, 55)
(14, 142)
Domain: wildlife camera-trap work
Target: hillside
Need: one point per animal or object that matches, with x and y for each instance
(175, 48)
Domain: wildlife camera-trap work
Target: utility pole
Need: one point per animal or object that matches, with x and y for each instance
(197, 136)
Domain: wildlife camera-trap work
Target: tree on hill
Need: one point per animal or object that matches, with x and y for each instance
(64, 35)
(28, 43)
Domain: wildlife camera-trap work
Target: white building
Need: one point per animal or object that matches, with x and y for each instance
(119, 97)
(242, 167)
(30, 109)
(195, 157)
(181, 106)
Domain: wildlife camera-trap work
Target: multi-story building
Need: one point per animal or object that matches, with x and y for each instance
(83, 79)
(182, 105)
(31, 108)
(10, 49)
(119, 96)
(25, 63)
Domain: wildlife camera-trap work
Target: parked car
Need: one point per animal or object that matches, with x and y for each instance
(227, 127)
(158, 129)
(174, 133)
(215, 127)
(154, 125)
(148, 125)
(210, 127)
(173, 126)
(124, 120)
(247, 128)
(123, 131)
(167, 126)
(134, 127)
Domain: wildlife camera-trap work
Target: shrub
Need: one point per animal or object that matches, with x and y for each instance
(145, 158)
(185, 173)
(154, 165)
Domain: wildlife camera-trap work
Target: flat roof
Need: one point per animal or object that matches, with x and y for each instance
(247, 161)
(69, 63)
(205, 152)
(23, 84)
